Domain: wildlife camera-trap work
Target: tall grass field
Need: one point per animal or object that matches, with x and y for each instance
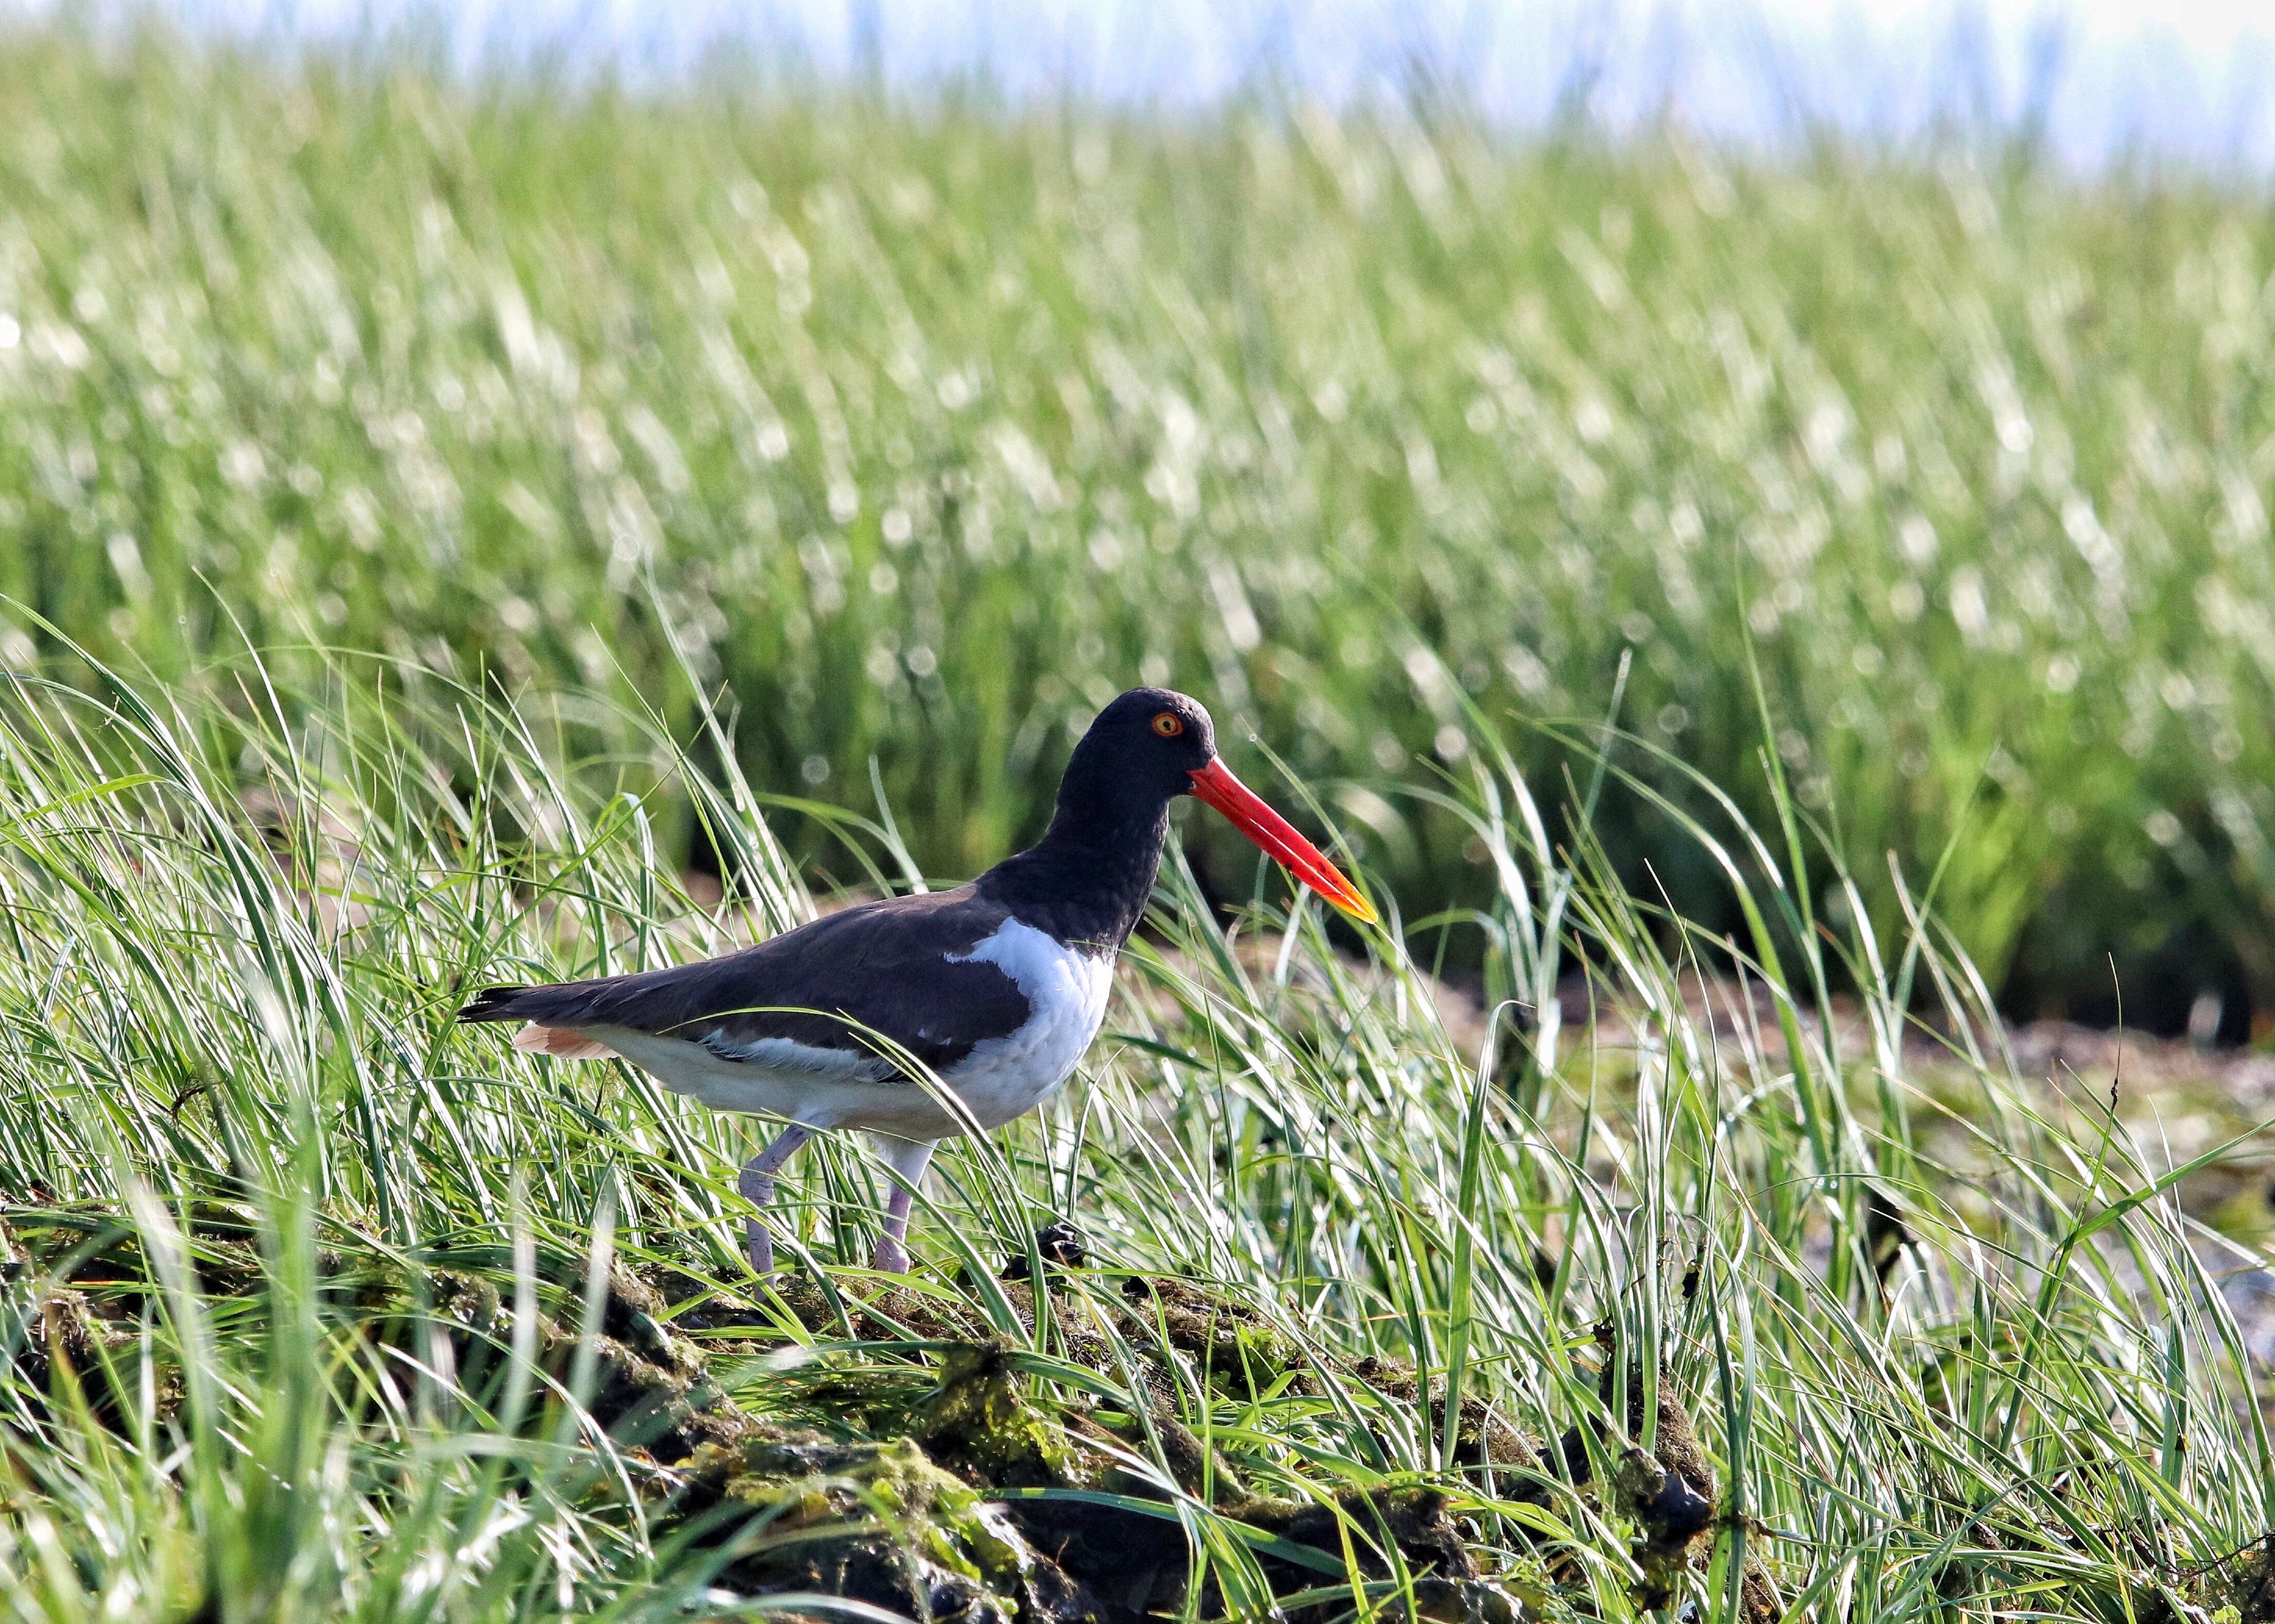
(1751, 621)
(929, 427)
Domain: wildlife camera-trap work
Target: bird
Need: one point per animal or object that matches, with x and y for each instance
(995, 988)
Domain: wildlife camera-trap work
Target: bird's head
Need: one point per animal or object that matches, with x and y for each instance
(1156, 742)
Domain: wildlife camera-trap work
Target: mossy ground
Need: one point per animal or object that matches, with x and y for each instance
(921, 1466)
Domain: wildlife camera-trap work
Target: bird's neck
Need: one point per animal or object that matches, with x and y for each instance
(1088, 879)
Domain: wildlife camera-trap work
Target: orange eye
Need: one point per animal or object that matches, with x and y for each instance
(1168, 724)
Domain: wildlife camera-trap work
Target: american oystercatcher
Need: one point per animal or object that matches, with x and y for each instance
(995, 988)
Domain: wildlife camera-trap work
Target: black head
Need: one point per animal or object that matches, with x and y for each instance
(1140, 753)
(1150, 741)
(1091, 875)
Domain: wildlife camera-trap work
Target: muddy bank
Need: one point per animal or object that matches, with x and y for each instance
(897, 1450)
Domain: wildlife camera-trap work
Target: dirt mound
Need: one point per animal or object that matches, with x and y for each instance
(912, 1467)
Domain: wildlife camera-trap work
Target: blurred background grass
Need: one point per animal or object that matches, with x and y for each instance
(925, 423)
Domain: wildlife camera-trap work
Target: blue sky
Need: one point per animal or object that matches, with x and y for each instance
(2188, 76)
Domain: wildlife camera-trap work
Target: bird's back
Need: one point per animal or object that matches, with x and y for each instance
(898, 967)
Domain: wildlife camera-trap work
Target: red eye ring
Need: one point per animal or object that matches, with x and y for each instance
(1168, 724)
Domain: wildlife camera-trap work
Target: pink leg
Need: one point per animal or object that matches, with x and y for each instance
(757, 1185)
(908, 1158)
(892, 1255)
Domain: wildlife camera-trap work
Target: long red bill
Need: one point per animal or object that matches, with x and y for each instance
(1215, 784)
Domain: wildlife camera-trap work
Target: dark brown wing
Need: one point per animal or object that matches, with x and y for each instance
(882, 966)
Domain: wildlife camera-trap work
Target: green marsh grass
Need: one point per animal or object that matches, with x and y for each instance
(934, 423)
(241, 910)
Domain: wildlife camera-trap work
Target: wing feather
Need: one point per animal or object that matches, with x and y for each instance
(885, 966)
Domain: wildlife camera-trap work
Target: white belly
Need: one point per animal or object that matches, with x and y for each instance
(1011, 1076)
(821, 1088)
(1001, 1078)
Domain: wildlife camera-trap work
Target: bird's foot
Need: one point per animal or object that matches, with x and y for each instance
(890, 1257)
(759, 1243)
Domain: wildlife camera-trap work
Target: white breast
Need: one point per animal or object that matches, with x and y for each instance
(1008, 1076)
